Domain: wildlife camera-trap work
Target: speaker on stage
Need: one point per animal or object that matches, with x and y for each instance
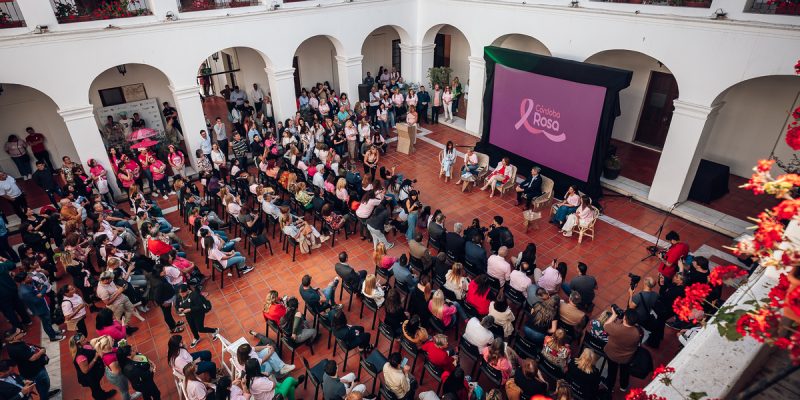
(710, 181)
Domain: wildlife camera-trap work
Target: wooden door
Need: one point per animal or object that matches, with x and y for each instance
(296, 66)
(657, 110)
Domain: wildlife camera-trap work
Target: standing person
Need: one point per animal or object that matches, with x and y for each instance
(11, 192)
(623, 340)
(423, 99)
(140, 372)
(457, 92)
(88, 366)
(34, 300)
(221, 135)
(170, 113)
(205, 145)
(447, 104)
(195, 307)
(177, 161)
(257, 96)
(99, 177)
(6, 253)
(163, 294)
(158, 171)
(669, 259)
(115, 300)
(375, 225)
(36, 141)
(436, 104)
(74, 309)
(10, 303)
(13, 386)
(30, 360)
(18, 150)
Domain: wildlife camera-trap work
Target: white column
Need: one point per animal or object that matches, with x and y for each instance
(85, 134)
(193, 120)
(477, 81)
(415, 60)
(349, 75)
(160, 8)
(281, 85)
(681, 154)
(38, 13)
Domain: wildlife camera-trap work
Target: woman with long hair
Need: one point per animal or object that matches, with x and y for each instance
(528, 255)
(556, 349)
(572, 199)
(195, 387)
(371, 289)
(89, 366)
(74, 309)
(294, 324)
(104, 345)
(178, 357)
(274, 309)
(412, 207)
(528, 380)
(140, 372)
(448, 159)
(352, 335)
(381, 259)
(447, 101)
(456, 280)
(543, 320)
(562, 392)
(441, 309)
(395, 310)
(582, 216)
(414, 332)
(256, 384)
(420, 296)
(584, 375)
(478, 294)
(495, 356)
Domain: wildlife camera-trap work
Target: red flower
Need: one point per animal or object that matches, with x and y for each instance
(787, 209)
(697, 291)
(684, 308)
(640, 394)
(797, 67)
(778, 293)
(796, 113)
(782, 343)
(793, 137)
(765, 165)
(723, 273)
(793, 300)
(756, 183)
(759, 325)
(769, 231)
(662, 370)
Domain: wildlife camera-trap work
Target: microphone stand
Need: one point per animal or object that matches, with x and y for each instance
(653, 250)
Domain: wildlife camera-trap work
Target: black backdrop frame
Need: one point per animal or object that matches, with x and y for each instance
(613, 79)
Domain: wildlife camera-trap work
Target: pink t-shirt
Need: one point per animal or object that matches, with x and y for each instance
(98, 171)
(157, 168)
(176, 159)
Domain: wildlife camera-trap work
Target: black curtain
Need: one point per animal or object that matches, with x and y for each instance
(613, 79)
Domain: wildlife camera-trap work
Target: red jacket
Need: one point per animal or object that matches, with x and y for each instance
(158, 247)
(479, 301)
(275, 313)
(675, 252)
(438, 357)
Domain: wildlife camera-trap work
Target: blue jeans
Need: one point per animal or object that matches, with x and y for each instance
(222, 235)
(42, 381)
(228, 246)
(534, 335)
(565, 287)
(165, 226)
(47, 325)
(330, 292)
(236, 261)
(205, 364)
(412, 225)
(461, 312)
(273, 364)
(391, 118)
(123, 224)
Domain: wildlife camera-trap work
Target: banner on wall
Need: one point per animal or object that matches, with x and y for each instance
(148, 110)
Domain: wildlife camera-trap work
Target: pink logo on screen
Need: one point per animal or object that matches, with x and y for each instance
(545, 120)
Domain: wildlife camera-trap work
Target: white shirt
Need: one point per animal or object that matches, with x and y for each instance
(262, 388)
(9, 188)
(476, 334)
(256, 94)
(497, 267)
(217, 156)
(173, 275)
(220, 131)
(69, 305)
(181, 360)
(196, 390)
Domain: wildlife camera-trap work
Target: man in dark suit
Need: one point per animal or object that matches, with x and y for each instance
(530, 188)
(349, 276)
(475, 254)
(12, 386)
(454, 243)
(436, 229)
(499, 235)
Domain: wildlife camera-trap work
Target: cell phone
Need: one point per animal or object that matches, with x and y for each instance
(404, 362)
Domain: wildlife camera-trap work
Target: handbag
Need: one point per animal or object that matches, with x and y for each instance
(102, 186)
(641, 365)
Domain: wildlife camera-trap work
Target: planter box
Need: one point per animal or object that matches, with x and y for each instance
(12, 24)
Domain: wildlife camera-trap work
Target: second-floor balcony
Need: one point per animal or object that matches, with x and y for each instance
(92, 10)
(200, 5)
(10, 15)
(787, 7)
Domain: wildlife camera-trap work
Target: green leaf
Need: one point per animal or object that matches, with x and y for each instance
(697, 395)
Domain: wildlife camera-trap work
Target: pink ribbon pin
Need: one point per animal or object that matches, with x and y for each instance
(525, 110)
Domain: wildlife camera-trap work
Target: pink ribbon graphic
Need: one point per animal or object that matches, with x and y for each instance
(525, 110)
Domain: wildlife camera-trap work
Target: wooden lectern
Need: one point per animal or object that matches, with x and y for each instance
(406, 137)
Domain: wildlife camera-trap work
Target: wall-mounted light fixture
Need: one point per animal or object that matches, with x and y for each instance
(121, 69)
(215, 56)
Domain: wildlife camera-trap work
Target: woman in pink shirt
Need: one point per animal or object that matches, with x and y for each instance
(447, 99)
(550, 279)
(440, 309)
(581, 217)
(567, 206)
(159, 172)
(177, 161)
(411, 117)
(100, 178)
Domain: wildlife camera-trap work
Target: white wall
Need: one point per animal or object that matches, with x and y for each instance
(459, 54)
(751, 120)
(316, 62)
(251, 69)
(377, 50)
(155, 84)
(631, 98)
(523, 43)
(21, 107)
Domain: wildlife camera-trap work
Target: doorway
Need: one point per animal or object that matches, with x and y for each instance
(657, 110)
(441, 50)
(296, 66)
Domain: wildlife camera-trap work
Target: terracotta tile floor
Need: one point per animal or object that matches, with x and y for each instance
(640, 163)
(237, 307)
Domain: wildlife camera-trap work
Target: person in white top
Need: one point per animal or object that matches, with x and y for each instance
(478, 333)
(74, 309)
(255, 383)
(11, 192)
(497, 267)
(447, 99)
(411, 99)
(257, 96)
(470, 168)
(195, 388)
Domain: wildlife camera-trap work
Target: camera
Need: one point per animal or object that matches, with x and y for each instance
(634, 279)
(620, 312)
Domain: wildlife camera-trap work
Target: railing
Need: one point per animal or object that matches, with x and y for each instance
(774, 7)
(675, 3)
(92, 10)
(200, 5)
(10, 15)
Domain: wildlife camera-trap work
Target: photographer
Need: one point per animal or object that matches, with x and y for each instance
(664, 309)
(644, 302)
(669, 259)
(623, 340)
(499, 235)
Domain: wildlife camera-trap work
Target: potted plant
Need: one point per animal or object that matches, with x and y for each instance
(439, 76)
(612, 167)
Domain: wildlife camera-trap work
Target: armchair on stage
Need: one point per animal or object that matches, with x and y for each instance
(588, 229)
(480, 174)
(539, 204)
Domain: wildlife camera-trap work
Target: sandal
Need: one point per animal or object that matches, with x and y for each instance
(178, 329)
